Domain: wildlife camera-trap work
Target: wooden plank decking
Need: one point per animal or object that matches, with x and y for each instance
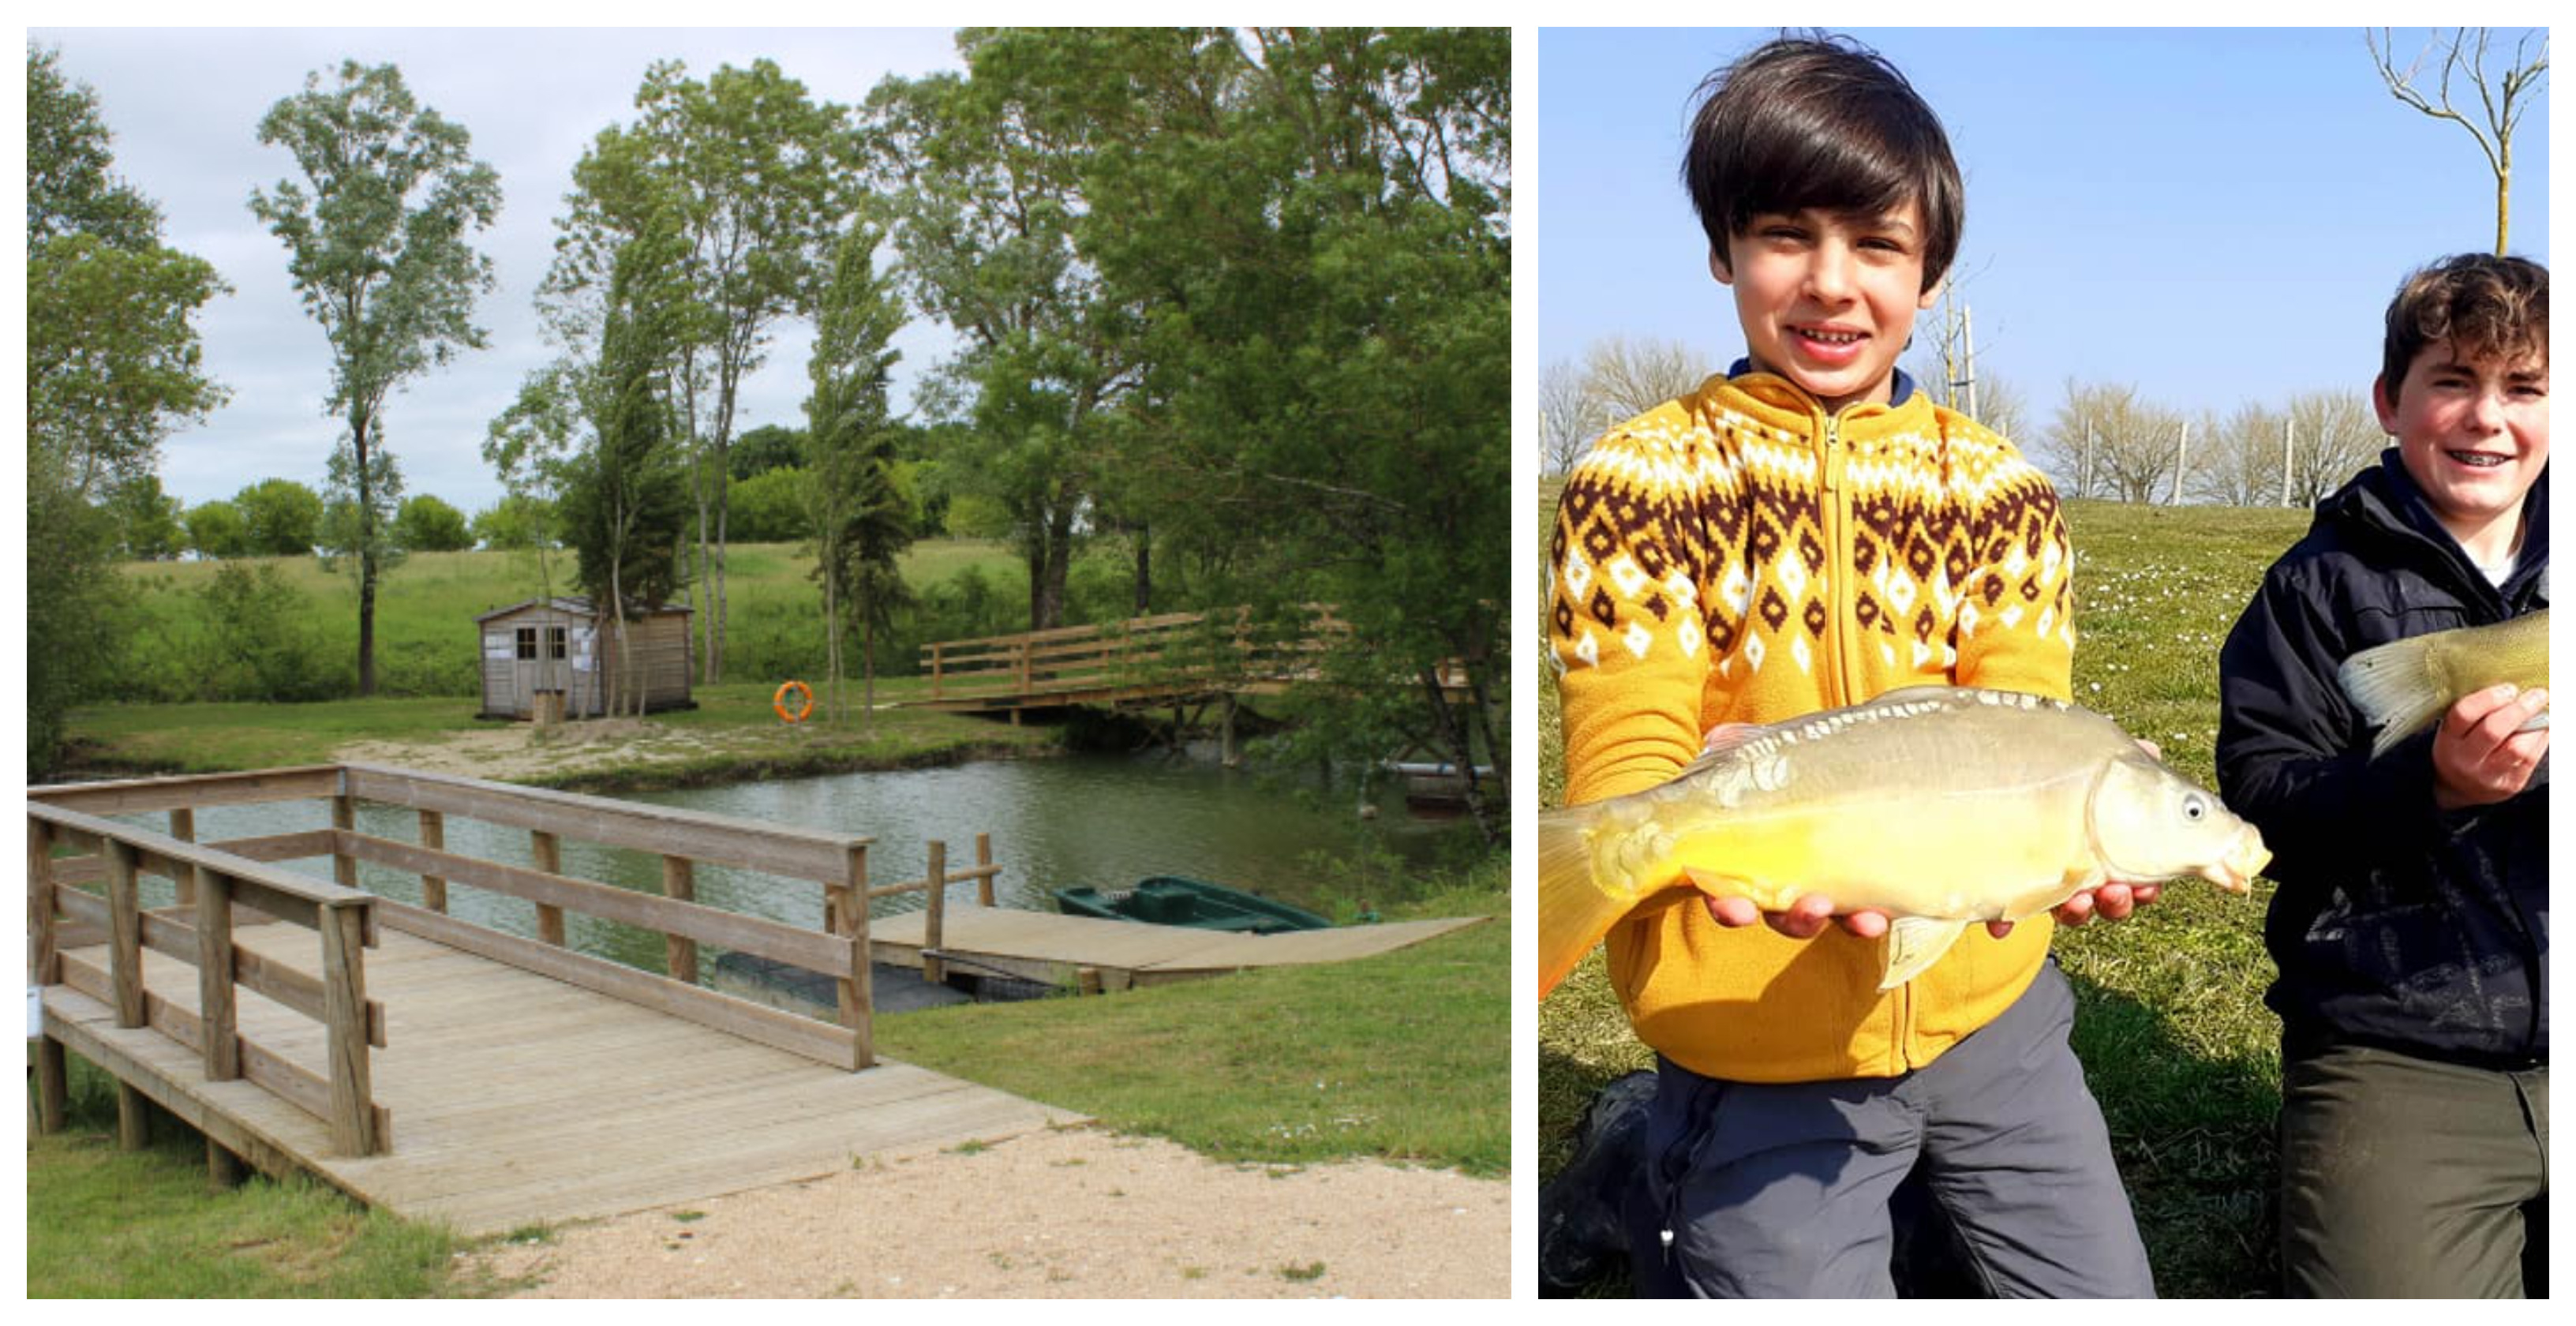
(516, 1099)
(1126, 953)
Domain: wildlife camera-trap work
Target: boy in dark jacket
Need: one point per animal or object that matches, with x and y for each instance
(2411, 926)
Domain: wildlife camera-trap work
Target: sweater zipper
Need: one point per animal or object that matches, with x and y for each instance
(1836, 670)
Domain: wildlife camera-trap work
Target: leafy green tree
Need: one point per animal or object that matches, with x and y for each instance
(426, 524)
(113, 367)
(768, 447)
(751, 170)
(625, 500)
(377, 248)
(261, 646)
(981, 180)
(216, 529)
(770, 507)
(281, 518)
(518, 522)
(147, 519)
(861, 518)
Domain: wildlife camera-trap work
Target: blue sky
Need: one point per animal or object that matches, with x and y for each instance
(2211, 216)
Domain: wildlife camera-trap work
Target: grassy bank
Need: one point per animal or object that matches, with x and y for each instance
(108, 1223)
(2171, 1028)
(732, 734)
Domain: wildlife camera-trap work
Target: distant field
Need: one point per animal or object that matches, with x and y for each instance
(2172, 1030)
(425, 638)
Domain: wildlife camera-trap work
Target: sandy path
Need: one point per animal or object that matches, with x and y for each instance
(1069, 1213)
(519, 750)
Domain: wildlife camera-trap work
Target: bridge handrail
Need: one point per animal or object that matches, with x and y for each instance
(344, 919)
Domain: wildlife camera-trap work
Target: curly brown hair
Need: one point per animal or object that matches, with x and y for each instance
(2487, 306)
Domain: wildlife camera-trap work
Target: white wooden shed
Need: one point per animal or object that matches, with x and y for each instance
(563, 644)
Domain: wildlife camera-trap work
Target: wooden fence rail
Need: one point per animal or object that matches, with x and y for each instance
(1175, 651)
(201, 934)
(934, 884)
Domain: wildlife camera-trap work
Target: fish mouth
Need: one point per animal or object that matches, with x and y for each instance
(2236, 872)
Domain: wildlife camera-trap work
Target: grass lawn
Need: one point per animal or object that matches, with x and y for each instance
(2171, 1027)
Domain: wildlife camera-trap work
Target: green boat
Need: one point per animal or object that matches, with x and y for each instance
(1195, 903)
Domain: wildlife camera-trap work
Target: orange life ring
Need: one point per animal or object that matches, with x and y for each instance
(779, 702)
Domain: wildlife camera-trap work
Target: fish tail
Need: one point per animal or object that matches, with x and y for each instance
(1574, 912)
(2395, 687)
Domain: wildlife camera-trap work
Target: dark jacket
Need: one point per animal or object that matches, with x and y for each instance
(2396, 924)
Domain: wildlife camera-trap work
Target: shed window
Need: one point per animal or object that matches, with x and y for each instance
(554, 642)
(527, 642)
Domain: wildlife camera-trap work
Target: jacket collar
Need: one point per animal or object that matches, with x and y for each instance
(1899, 390)
(2388, 500)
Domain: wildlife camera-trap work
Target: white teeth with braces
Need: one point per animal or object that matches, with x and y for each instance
(2478, 460)
(1832, 338)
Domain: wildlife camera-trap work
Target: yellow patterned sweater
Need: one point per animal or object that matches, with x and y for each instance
(1735, 556)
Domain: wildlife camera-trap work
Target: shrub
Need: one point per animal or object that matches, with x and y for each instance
(259, 642)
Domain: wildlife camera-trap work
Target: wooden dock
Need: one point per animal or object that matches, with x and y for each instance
(1044, 946)
(517, 1099)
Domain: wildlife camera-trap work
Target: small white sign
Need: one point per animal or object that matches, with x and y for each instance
(581, 650)
(500, 647)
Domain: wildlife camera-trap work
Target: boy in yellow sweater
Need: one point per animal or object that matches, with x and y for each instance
(1807, 531)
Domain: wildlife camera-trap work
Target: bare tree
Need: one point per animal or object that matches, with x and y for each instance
(2334, 434)
(1624, 378)
(2003, 409)
(2122, 448)
(2244, 467)
(1567, 422)
(2501, 96)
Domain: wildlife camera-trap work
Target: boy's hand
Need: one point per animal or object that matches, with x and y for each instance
(2478, 757)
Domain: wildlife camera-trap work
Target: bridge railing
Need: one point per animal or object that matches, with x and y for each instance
(213, 881)
(1182, 651)
(683, 839)
(933, 885)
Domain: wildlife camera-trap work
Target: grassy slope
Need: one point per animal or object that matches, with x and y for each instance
(2172, 1030)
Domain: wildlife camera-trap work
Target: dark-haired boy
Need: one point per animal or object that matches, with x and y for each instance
(1807, 531)
(2411, 926)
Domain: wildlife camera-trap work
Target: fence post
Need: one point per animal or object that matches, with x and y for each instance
(680, 884)
(933, 933)
(548, 851)
(344, 817)
(849, 919)
(433, 835)
(215, 975)
(984, 864)
(344, 1005)
(937, 651)
(125, 932)
(42, 966)
(183, 826)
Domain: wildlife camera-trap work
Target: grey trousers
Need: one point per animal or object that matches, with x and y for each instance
(2411, 1178)
(1759, 1190)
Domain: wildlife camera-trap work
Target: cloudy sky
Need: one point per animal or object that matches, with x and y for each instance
(185, 105)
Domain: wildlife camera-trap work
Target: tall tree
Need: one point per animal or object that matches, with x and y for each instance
(113, 367)
(861, 518)
(2502, 95)
(281, 517)
(751, 170)
(625, 501)
(981, 181)
(378, 251)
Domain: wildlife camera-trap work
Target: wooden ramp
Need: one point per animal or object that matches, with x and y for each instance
(516, 1099)
(1040, 944)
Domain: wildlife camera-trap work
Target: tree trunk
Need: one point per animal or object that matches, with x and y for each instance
(358, 422)
(1144, 568)
(1460, 751)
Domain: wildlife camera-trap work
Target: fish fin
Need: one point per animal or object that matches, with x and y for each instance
(2535, 723)
(1914, 943)
(1574, 911)
(1716, 885)
(2394, 687)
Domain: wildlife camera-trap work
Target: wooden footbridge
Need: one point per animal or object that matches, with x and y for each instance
(1144, 662)
(448, 1070)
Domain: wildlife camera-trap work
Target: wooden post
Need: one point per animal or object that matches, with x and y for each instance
(42, 967)
(133, 1117)
(125, 933)
(937, 649)
(344, 817)
(223, 1168)
(344, 1006)
(215, 977)
(934, 930)
(984, 864)
(53, 1085)
(680, 883)
(433, 835)
(1022, 663)
(849, 917)
(549, 858)
(183, 826)
(1226, 753)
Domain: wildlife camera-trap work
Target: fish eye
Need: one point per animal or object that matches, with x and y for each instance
(2195, 808)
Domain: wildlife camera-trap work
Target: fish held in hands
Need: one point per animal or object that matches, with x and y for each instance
(2405, 686)
(1940, 806)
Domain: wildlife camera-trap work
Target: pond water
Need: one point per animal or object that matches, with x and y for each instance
(1101, 820)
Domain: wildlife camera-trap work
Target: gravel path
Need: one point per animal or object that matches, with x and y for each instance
(1069, 1213)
